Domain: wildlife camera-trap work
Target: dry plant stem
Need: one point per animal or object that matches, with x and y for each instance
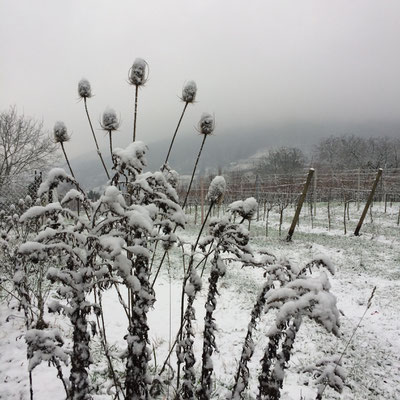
(17, 298)
(205, 259)
(111, 146)
(61, 376)
(181, 326)
(173, 138)
(319, 395)
(103, 338)
(95, 139)
(190, 266)
(66, 159)
(30, 385)
(183, 205)
(135, 113)
(242, 373)
(194, 171)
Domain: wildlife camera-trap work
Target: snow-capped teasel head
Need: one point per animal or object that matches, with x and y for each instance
(138, 72)
(217, 189)
(84, 89)
(60, 132)
(189, 92)
(109, 121)
(206, 124)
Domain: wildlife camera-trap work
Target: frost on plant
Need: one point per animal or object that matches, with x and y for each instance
(189, 92)
(60, 132)
(84, 89)
(109, 120)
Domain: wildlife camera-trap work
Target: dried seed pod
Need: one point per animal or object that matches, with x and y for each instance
(138, 72)
(189, 92)
(60, 132)
(206, 124)
(110, 120)
(84, 89)
(217, 189)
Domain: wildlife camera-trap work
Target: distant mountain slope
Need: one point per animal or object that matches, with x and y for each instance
(225, 147)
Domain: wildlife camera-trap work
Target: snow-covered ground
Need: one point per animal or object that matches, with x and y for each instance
(372, 360)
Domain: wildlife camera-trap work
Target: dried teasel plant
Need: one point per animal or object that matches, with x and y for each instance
(110, 123)
(85, 92)
(189, 92)
(137, 76)
(61, 136)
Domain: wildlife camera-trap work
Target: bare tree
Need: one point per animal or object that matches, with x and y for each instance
(285, 160)
(24, 145)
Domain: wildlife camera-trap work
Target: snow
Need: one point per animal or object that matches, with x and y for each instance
(132, 155)
(38, 211)
(60, 132)
(109, 120)
(189, 92)
(54, 176)
(84, 89)
(137, 74)
(370, 366)
(206, 124)
(217, 189)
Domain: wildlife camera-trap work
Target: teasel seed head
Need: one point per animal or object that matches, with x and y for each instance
(189, 92)
(84, 89)
(217, 189)
(138, 72)
(109, 120)
(60, 132)
(206, 124)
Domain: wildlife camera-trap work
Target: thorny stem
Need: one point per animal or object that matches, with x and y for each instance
(205, 259)
(135, 113)
(17, 298)
(95, 139)
(103, 338)
(61, 376)
(319, 395)
(66, 159)
(173, 138)
(183, 205)
(30, 385)
(194, 171)
(72, 173)
(111, 146)
(181, 326)
(190, 266)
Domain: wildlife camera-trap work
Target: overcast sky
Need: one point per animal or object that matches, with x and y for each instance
(256, 62)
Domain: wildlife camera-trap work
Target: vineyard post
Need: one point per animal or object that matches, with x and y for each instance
(300, 204)
(315, 193)
(202, 198)
(370, 198)
(258, 196)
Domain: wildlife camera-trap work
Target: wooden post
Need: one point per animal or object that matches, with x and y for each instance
(258, 196)
(315, 194)
(300, 204)
(370, 198)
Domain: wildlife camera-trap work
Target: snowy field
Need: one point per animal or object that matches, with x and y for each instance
(372, 360)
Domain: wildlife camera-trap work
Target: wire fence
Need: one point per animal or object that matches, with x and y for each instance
(348, 185)
(344, 186)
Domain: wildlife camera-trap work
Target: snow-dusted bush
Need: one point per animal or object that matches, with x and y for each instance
(111, 245)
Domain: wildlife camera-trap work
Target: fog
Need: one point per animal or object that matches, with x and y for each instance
(259, 65)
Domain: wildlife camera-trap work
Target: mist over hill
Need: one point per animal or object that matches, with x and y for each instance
(226, 148)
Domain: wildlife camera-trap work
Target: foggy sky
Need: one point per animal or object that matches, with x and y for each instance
(256, 62)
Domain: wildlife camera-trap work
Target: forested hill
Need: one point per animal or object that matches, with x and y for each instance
(226, 147)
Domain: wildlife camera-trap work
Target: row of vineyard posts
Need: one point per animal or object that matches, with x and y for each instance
(280, 192)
